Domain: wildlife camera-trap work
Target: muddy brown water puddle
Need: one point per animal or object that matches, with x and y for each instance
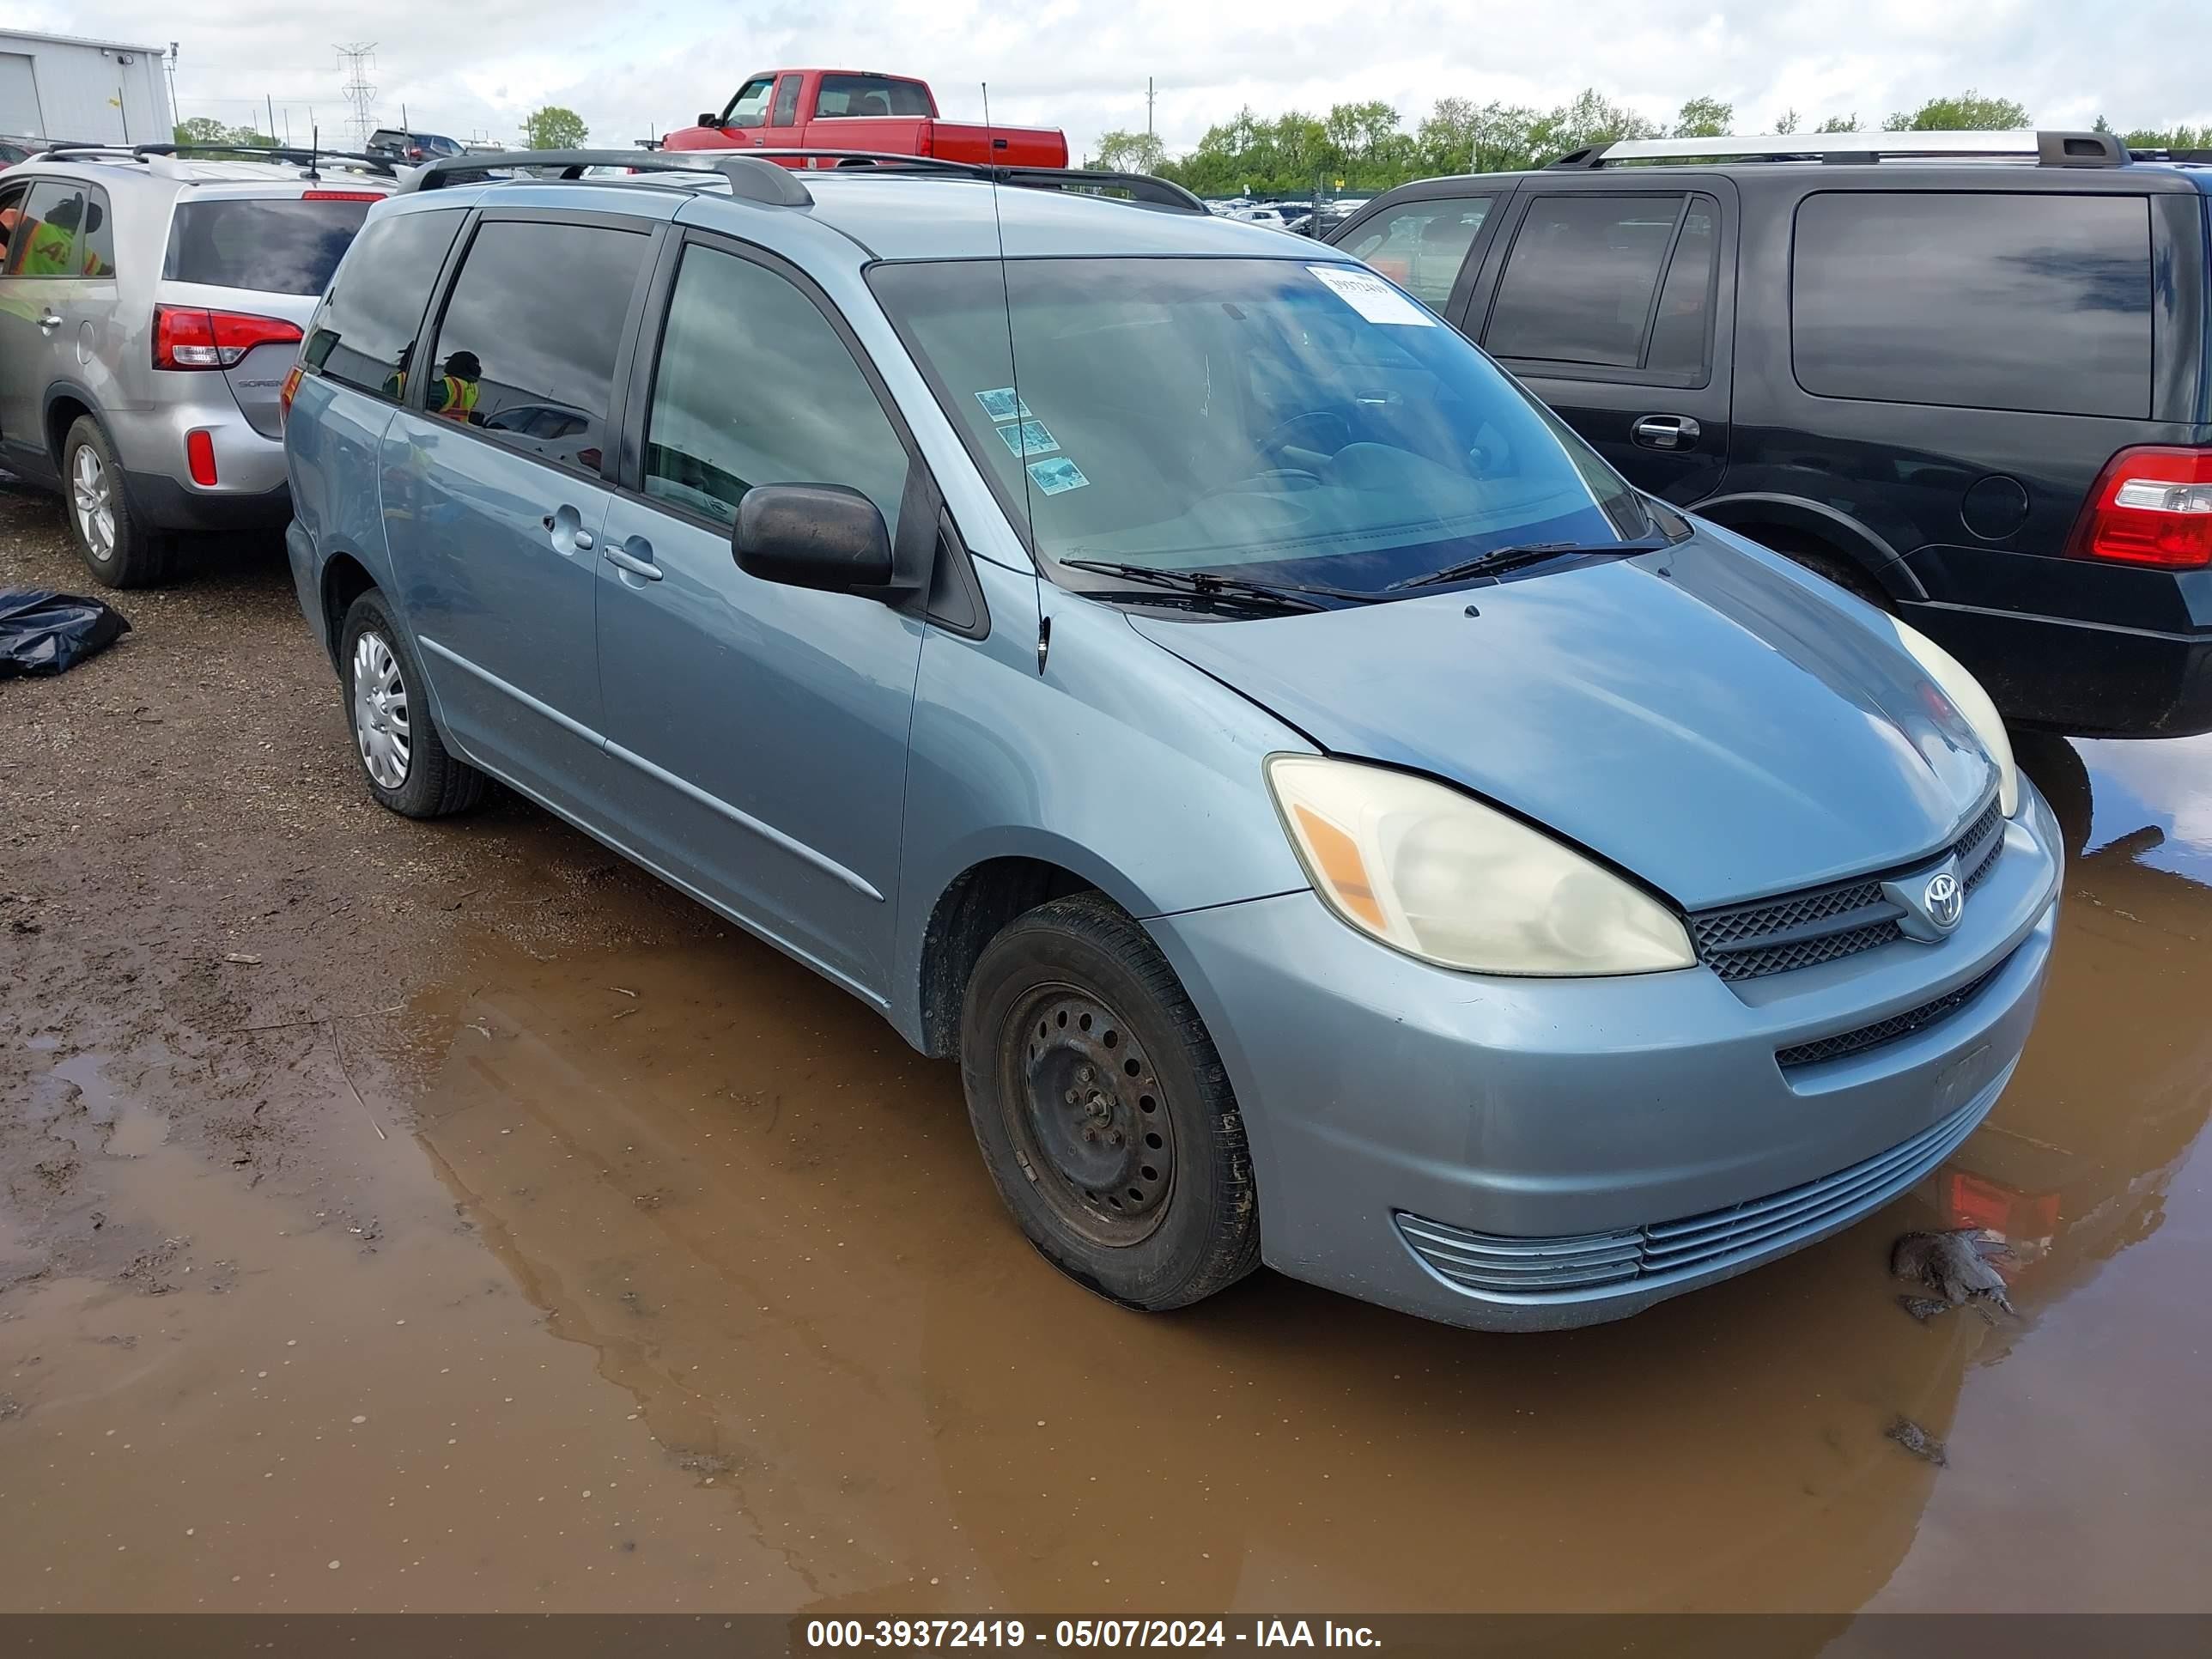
(688, 1289)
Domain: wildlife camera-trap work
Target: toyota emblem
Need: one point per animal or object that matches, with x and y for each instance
(1944, 901)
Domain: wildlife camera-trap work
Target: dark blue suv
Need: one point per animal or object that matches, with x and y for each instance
(1963, 375)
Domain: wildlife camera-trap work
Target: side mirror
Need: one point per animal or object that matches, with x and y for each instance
(710, 118)
(819, 536)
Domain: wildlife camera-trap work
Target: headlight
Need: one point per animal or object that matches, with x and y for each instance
(1967, 696)
(1445, 878)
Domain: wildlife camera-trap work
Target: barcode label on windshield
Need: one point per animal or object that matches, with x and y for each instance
(1372, 297)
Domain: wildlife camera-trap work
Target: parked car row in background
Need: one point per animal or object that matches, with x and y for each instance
(1816, 341)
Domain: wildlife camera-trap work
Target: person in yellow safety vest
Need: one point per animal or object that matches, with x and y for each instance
(454, 396)
(53, 248)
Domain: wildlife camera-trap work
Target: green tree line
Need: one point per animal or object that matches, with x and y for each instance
(1367, 146)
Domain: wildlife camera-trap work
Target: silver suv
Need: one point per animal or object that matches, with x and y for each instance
(150, 306)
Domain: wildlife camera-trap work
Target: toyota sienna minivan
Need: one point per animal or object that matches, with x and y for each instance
(1332, 818)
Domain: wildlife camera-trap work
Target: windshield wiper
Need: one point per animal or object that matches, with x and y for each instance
(1203, 584)
(1501, 559)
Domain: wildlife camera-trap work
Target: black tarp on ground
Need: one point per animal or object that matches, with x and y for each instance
(42, 632)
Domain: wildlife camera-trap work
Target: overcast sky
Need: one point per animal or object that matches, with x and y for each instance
(478, 66)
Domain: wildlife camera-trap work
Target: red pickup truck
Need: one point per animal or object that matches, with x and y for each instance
(859, 109)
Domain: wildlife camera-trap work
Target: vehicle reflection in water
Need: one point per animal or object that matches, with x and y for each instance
(769, 1221)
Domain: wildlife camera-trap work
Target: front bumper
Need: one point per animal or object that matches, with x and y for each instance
(1388, 1103)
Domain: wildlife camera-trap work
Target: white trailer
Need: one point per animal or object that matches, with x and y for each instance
(105, 92)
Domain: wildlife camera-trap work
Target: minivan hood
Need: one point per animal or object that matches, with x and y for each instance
(1718, 724)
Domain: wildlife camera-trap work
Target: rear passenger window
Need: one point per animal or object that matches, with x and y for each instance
(364, 336)
(1421, 246)
(528, 341)
(1582, 284)
(62, 232)
(2030, 301)
(737, 332)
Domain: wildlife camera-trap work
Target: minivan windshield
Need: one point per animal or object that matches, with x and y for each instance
(1268, 419)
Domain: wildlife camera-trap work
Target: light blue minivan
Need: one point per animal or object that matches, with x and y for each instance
(1334, 820)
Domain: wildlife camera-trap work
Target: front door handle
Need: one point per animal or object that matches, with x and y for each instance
(48, 323)
(1665, 432)
(635, 555)
(565, 525)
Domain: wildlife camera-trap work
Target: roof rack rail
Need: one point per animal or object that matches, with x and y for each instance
(2186, 157)
(754, 174)
(1142, 187)
(290, 155)
(303, 155)
(750, 179)
(2050, 149)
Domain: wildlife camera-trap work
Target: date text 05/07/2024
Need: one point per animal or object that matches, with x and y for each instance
(1086, 1633)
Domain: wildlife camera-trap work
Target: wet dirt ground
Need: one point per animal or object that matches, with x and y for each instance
(448, 1216)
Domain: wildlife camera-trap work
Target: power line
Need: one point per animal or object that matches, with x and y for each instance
(357, 60)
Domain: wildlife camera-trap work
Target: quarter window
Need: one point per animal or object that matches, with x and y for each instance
(2031, 301)
(364, 336)
(526, 350)
(753, 387)
(1580, 282)
(1421, 246)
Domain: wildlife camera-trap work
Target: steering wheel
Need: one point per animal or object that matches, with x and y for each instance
(1280, 437)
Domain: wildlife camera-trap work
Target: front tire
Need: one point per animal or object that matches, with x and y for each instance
(1102, 1111)
(409, 768)
(117, 545)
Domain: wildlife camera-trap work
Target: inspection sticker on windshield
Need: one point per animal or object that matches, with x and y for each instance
(1001, 405)
(1056, 475)
(1028, 438)
(1370, 296)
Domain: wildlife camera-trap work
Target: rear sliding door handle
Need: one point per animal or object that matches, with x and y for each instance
(1665, 432)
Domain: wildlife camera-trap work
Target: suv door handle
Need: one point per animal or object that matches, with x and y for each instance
(48, 322)
(635, 555)
(1665, 432)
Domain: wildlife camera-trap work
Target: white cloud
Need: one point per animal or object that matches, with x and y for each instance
(1082, 64)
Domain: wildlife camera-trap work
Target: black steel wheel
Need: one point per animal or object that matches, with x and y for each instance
(1081, 1104)
(1102, 1111)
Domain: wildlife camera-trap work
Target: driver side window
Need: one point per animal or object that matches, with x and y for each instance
(736, 329)
(749, 107)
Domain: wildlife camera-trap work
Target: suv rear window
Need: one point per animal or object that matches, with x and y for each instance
(364, 332)
(869, 94)
(2029, 300)
(274, 247)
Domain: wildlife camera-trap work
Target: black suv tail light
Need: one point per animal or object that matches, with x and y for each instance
(2152, 506)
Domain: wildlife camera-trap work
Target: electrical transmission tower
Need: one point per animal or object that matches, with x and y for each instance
(357, 60)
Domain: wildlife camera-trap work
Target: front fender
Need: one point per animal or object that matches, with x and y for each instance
(1120, 764)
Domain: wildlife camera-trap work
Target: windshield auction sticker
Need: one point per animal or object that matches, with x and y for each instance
(1372, 297)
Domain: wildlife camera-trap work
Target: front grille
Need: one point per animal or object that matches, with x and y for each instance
(1771, 936)
(1885, 1030)
(1533, 1269)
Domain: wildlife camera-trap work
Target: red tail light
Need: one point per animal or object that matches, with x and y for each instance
(187, 337)
(286, 392)
(340, 196)
(199, 455)
(2152, 507)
